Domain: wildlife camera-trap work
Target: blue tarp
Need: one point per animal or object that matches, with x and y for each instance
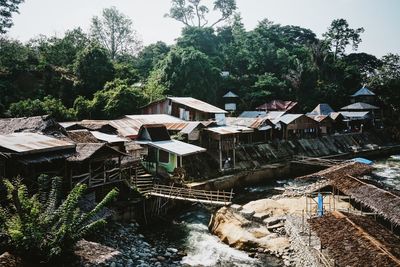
(363, 161)
(320, 205)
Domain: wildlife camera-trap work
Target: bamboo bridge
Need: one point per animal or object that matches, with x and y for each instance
(144, 184)
(219, 198)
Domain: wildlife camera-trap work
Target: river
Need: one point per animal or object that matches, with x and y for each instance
(189, 231)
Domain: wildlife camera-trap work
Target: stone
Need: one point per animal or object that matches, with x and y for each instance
(172, 250)
(247, 214)
(272, 220)
(260, 216)
(236, 207)
(160, 258)
(113, 264)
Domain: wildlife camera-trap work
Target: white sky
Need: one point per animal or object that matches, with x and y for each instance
(380, 18)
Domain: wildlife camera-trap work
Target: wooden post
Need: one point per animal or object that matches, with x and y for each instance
(220, 153)
(234, 151)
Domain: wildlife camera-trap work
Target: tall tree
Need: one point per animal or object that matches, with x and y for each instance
(115, 32)
(340, 35)
(188, 72)
(193, 13)
(93, 68)
(7, 8)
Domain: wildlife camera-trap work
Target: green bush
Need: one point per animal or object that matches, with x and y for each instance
(41, 227)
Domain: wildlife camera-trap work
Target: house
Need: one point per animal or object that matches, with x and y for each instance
(164, 155)
(279, 105)
(128, 126)
(97, 164)
(262, 128)
(322, 109)
(373, 119)
(135, 122)
(37, 124)
(30, 154)
(356, 120)
(221, 142)
(363, 95)
(186, 108)
(297, 125)
(252, 114)
(230, 101)
(325, 123)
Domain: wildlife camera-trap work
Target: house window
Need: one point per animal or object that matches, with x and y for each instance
(163, 156)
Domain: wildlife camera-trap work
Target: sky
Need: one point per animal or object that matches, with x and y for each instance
(380, 18)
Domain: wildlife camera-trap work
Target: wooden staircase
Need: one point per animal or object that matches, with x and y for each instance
(141, 180)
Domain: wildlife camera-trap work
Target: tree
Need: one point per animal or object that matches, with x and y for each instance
(202, 39)
(340, 35)
(149, 56)
(114, 31)
(193, 13)
(40, 228)
(117, 99)
(7, 8)
(386, 81)
(47, 106)
(93, 68)
(188, 72)
(60, 52)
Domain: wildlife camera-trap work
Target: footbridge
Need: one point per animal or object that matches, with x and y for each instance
(218, 198)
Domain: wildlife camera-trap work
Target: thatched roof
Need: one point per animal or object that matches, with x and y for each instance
(38, 124)
(82, 136)
(380, 201)
(348, 168)
(353, 240)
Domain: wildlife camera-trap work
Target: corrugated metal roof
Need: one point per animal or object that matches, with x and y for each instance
(130, 125)
(177, 147)
(197, 104)
(288, 118)
(322, 109)
(192, 126)
(109, 138)
(32, 143)
(254, 123)
(273, 115)
(319, 118)
(222, 130)
(230, 94)
(252, 114)
(87, 150)
(363, 91)
(277, 105)
(359, 106)
(355, 114)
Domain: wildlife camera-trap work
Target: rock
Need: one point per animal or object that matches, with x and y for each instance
(161, 258)
(238, 232)
(167, 254)
(113, 264)
(247, 214)
(236, 207)
(272, 220)
(275, 226)
(260, 216)
(172, 250)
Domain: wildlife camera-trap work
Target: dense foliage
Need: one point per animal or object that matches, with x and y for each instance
(81, 76)
(43, 227)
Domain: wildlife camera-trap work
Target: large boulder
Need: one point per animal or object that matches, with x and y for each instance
(242, 233)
